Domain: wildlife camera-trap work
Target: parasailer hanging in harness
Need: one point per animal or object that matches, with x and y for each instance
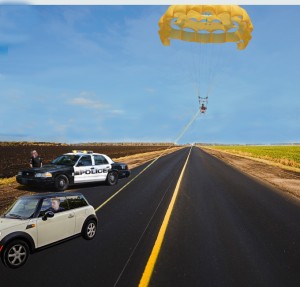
(203, 104)
(203, 109)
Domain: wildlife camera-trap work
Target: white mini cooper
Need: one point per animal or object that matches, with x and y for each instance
(35, 221)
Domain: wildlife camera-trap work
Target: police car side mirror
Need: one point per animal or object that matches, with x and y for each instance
(49, 214)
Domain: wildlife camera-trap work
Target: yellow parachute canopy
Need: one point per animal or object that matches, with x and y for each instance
(206, 24)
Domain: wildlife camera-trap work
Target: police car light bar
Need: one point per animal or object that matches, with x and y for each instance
(82, 151)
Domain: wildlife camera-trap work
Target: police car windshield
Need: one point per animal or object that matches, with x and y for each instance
(66, 160)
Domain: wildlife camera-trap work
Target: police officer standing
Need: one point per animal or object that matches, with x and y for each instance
(35, 160)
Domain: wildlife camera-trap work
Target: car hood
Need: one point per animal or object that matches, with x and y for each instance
(119, 163)
(10, 222)
(45, 168)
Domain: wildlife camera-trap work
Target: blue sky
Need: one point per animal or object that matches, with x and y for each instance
(100, 73)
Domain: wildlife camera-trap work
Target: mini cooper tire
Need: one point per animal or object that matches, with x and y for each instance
(61, 183)
(15, 254)
(112, 178)
(89, 229)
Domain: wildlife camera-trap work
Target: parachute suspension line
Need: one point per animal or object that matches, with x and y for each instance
(205, 72)
(199, 67)
(195, 71)
(215, 70)
(206, 68)
(180, 135)
(211, 74)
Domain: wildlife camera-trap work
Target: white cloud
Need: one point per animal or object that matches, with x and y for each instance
(88, 103)
(117, 112)
(85, 100)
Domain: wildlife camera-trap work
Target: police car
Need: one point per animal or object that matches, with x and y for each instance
(36, 221)
(75, 168)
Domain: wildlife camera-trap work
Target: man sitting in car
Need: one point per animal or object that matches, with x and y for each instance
(55, 205)
(52, 205)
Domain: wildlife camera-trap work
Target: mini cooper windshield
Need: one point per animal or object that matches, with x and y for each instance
(66, 160)
(23, 208)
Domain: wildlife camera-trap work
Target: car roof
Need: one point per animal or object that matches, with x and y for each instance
(82, 153)
(52, 194)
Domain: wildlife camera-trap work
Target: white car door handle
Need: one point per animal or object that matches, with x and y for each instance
(71, 216)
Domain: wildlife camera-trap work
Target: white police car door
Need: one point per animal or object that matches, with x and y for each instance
(84, 171)
(102, 167)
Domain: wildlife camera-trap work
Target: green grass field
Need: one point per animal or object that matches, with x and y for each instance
(286, 155)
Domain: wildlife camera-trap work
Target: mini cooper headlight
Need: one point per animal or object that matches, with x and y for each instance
(19, 173)
(45, 174)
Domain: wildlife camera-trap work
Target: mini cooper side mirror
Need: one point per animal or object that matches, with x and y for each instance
(48, 214)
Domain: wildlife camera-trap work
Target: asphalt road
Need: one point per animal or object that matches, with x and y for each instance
(226, 229)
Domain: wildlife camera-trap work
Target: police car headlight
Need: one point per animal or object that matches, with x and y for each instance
(45, 174)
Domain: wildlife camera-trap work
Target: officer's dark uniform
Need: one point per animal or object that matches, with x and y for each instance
(36, 161)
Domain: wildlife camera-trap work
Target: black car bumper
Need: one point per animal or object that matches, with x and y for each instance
(36, 181)
(123, 173)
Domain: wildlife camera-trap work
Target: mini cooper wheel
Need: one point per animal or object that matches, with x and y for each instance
(15, 254)
(112, 178)
(61, 183)
(89, 229)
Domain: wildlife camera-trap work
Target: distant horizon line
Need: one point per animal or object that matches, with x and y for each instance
(144, 143)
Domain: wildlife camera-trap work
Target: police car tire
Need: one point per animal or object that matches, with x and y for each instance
(61, 183)
(89, 229)
(15, 254)
(112, 178)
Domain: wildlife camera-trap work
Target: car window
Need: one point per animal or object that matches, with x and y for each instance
(66, 160)
(100, 159)
(76, 201)
(85, 161)
(54, 204)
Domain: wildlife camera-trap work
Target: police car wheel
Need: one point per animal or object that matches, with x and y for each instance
(89, 229)
(61, 183)
(112, 178)
(15, 254)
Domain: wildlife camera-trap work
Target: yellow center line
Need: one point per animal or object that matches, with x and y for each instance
(160, 237)
(129, 182)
